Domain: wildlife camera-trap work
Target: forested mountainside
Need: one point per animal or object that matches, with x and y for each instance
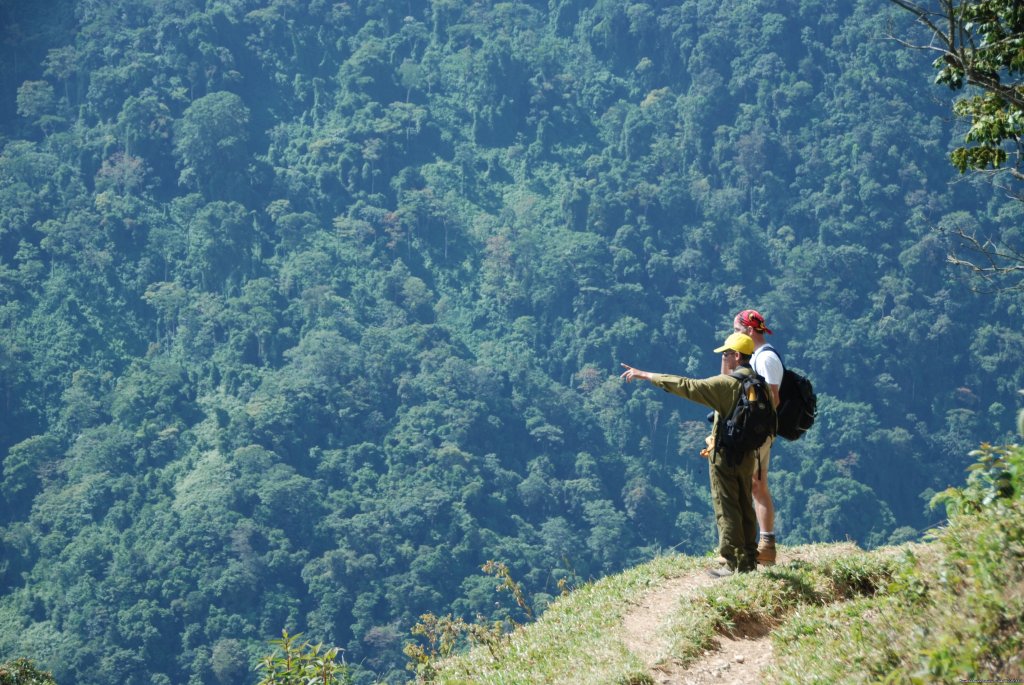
(310, 308)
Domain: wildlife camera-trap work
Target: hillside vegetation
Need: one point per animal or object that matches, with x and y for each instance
(310, 309)
(949, 610)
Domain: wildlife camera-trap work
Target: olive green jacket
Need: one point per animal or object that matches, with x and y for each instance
(720, 392)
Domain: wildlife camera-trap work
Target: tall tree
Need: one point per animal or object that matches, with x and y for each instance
(210, 143)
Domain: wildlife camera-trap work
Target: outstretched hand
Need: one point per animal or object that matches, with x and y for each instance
(630, 373)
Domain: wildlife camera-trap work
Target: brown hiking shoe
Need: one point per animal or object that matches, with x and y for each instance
(766, 553)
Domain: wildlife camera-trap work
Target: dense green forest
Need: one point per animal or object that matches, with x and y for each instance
(308, 309)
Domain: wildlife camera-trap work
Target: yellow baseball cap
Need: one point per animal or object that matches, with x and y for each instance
(739, 342)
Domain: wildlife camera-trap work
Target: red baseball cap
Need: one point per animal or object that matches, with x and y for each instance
(753, 319)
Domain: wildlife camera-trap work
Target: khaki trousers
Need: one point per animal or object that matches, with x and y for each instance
(734, 511)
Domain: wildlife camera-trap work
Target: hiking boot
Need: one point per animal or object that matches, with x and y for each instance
(766, 552)
(721, 572)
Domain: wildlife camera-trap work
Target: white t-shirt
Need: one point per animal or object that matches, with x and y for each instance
(767, 363)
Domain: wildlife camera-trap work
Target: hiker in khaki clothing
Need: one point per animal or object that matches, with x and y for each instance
(730, 485)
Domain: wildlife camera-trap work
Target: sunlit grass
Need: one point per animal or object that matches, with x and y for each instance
(580, 640)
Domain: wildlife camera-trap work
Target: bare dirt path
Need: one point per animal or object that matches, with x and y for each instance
(736, 658)
(643, 624)
(740, 657)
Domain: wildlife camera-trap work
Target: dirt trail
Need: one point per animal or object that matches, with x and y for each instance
(736, 658)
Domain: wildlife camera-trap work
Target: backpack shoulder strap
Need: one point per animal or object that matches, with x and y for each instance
(749, 376)
(767, 347)
(740, 376)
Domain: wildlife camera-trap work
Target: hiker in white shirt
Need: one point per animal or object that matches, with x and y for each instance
(766, 362)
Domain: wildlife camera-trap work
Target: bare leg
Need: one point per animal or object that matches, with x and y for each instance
(764, 509)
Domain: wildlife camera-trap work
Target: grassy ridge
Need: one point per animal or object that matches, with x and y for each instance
(946, 610)
(580, 638)
(953, 612)
(578, 634)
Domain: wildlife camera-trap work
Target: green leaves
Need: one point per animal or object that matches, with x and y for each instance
(295, 663)
(997, 474)
(994, 121)
(24, 672)
(981, 42)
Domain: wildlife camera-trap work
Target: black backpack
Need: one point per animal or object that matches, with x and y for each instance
(751, 422)
(798, 405)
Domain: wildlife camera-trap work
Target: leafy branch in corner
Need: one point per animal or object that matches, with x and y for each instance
(996, 475)
(24, 672)
(978, 44)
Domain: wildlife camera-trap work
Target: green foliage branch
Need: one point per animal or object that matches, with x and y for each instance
(302, 663)
(981, 44)
(996, 476)
(443, 635)
(23, 671)
(971, 610)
